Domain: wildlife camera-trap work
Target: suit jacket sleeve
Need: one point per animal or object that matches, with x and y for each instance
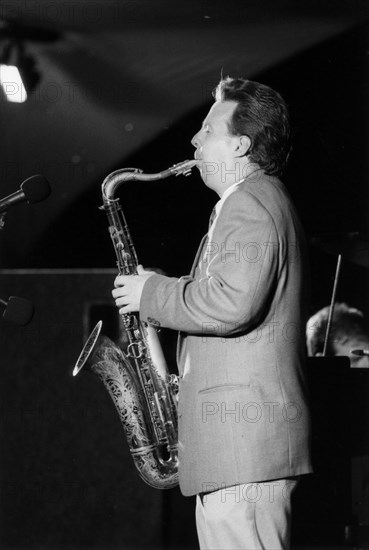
(230, 289)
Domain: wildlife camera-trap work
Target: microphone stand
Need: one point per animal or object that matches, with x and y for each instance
(333, 300)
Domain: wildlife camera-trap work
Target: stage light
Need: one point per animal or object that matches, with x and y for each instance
(18, 75)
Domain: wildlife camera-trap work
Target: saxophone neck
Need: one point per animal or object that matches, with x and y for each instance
(117, 178)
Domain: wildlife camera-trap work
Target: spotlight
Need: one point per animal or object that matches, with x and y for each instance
(18, 74)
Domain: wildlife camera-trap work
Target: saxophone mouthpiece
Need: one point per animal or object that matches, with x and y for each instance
(184, 168)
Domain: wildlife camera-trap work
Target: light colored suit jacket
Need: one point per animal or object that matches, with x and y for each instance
(241, 313)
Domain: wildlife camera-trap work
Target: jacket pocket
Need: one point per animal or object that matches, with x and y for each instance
(224, 387)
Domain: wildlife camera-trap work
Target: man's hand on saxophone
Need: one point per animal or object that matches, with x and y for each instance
(128, 290)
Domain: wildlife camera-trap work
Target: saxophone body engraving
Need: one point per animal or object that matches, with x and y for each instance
(138, 381)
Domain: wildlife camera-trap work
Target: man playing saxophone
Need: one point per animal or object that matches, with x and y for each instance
(241, 312)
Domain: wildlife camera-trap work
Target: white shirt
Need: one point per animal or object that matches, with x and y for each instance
(226, 194)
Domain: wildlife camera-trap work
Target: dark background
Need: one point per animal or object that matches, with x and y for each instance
(128, 84)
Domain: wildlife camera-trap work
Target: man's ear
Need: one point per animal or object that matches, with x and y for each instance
(243, 145)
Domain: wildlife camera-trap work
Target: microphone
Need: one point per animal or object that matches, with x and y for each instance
(17, 310)
(33, 189)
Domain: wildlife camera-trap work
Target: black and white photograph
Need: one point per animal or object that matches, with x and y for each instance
(184, 275)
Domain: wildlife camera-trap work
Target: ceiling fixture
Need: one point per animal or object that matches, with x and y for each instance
(18, 74)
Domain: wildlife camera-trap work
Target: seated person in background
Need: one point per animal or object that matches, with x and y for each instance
(348, 332)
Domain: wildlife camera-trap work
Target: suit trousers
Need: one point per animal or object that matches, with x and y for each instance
(251, 516)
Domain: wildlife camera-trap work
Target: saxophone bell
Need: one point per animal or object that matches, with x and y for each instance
(154, 457)
(88, 349)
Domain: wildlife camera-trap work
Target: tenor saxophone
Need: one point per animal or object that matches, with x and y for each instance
(138, 380)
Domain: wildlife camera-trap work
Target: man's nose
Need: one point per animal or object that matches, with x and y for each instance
(195, 141)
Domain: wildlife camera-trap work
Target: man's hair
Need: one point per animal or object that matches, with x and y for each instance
(347, 322)
(262, 115)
